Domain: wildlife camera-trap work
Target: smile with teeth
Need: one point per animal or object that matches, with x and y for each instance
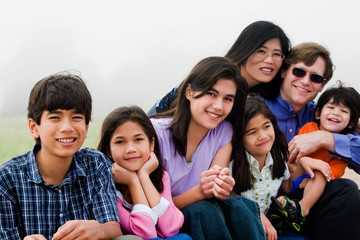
(334, 120)
(213, 115)
(301, 89)
(266, 69)
(66, 140)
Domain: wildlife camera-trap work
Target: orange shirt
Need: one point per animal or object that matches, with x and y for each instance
(336, 164)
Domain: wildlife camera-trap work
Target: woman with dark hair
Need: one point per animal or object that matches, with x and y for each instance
(196, 138)
(259, 52)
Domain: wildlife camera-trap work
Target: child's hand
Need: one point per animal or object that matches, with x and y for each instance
(207, 180)
(150, 165)
(122, 175)
(35, 237)
(224, 184)
(268, 227)
(311, 164)
(78, 229)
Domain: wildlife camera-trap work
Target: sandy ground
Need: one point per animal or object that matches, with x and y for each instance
(349, 173)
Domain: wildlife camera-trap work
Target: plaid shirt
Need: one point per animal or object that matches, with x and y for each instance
(28, 205)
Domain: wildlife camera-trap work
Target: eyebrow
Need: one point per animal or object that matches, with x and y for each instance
(229, 95)
(60, 112)
(55, 112)
(136, 135)
(266, 122)
(262, 46)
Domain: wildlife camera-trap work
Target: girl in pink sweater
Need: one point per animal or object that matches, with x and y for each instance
(143, 192)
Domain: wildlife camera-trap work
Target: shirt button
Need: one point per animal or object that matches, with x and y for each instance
(59, 190)
(290, 130)
(61, 215)
(260, 179)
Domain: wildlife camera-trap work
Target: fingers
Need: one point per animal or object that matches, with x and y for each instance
(271, 233)
(223, 186)
(65, 230)
(35, 237)
(309, 171)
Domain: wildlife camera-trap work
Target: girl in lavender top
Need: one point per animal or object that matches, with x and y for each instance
(197, 138)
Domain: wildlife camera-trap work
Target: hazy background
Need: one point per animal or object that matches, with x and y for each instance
(133, 52)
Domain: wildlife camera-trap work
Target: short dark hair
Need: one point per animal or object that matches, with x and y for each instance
(59, 91)
(135, 114)
(347, 96)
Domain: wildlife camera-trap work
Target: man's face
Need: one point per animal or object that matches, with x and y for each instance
(298, 91)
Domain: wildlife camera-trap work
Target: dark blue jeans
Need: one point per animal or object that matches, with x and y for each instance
(236, 218)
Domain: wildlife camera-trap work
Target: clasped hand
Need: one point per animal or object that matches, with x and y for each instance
(216, 182)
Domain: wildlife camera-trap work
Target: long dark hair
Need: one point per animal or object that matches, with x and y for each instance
(202, 78)
(279, 151)
(249, 40)
(135, 114)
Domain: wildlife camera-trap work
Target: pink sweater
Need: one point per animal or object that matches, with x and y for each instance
(164, 219)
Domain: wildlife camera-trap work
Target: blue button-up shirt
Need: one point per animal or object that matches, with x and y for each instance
(28, 205)
(346, 146)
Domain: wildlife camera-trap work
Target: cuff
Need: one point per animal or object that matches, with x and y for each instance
(342, 143)
(143, 209)
(161, 207)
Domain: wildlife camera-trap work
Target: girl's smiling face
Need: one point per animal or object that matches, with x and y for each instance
(214, 106)
(130, 146)
(259, 136)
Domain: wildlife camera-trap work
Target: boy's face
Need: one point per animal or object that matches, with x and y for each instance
(334, 117)
(62, 133)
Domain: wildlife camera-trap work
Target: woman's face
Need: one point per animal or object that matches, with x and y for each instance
(214, 106)
(263, 64)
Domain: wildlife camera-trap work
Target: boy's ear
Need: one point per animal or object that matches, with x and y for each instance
(152, 145)
(87, 128)
(188, 91)
(34, 129)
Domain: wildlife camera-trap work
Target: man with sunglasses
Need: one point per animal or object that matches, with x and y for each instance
(305, 72)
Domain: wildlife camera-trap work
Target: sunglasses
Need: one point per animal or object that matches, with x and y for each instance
(298, 72)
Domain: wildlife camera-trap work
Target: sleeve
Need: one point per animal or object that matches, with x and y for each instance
(165, 103)
(138, 222)
(337, 167)
(172, 219)
(225, 133)
(348, 148)
(11, 226)
(104, 201)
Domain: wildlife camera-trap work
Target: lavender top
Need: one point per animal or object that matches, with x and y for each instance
(184, 176)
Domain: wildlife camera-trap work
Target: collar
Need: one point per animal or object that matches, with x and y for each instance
(253, 162)
(287, 108)
(77, 168)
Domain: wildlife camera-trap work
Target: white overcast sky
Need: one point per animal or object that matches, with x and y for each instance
(133, 52)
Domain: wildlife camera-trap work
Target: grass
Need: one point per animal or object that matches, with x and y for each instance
(15, 137)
